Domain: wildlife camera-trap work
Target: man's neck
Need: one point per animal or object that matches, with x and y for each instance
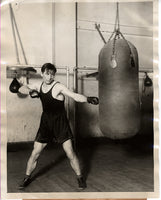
(48, 85)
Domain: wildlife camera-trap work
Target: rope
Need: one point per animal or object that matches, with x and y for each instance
(111, 35)
(117, 23)
(117, 36)
(118, 19)
(14, 35)
(23, 52)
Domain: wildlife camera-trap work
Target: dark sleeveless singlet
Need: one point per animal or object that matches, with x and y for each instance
(54, 125)
(50, 104)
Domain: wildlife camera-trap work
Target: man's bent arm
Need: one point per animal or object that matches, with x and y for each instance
(25, 89)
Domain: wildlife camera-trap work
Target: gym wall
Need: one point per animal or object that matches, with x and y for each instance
(48, 34)
(136, 24)
(34, 23)
(41, 27)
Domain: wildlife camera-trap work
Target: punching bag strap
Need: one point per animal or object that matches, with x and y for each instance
(117, 24)
(114, 45)
(117, 35)
(117, 21)
(113, 57)
(131, 55)
(111, 36)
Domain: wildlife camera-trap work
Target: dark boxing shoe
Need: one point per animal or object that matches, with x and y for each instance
(26, 181)
(81, 183)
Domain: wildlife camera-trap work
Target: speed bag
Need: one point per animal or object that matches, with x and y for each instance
(119, 107)
(147, 99)
(14, 86)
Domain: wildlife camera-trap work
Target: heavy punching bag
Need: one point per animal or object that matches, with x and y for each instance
(119, 108)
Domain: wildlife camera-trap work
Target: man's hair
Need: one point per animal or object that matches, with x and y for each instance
(48, 66)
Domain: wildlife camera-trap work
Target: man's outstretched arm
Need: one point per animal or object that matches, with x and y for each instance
(78, 97)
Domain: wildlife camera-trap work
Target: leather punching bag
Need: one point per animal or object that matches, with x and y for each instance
(147, 96)
(14, 86)
(119, 108)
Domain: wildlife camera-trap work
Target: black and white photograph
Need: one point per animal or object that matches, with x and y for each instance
(80, 99)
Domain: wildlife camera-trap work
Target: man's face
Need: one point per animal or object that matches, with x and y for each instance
(48, 76)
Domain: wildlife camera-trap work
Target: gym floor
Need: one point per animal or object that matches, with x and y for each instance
(109, 166)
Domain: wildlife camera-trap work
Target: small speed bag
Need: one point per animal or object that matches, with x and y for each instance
(14, 86)
(119, 107)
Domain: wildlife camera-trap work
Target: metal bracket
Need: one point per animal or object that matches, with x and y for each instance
(97, 26)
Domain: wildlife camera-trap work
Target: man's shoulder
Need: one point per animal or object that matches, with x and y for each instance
(59, 84)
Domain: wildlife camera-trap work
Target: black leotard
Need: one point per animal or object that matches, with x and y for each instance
(54, 124)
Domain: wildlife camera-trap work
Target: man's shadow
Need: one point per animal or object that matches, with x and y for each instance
(49, 166)
(86, 149)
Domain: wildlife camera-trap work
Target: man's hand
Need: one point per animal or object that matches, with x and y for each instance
(34, 94)
(93, 100)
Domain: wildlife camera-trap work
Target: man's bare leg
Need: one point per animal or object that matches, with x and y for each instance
(32, 162)
(68, 148)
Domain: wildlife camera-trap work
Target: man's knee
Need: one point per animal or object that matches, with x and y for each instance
(38, 147)
(69, 150)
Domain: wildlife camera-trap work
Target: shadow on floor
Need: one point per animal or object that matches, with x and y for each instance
(86, 155)
(48, 167)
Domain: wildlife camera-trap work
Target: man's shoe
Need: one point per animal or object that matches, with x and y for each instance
(81, 183)
(26, 181)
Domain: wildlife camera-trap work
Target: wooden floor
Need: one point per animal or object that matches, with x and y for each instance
(109, 166)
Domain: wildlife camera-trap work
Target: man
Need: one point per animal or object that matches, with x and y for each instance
(54, 124)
